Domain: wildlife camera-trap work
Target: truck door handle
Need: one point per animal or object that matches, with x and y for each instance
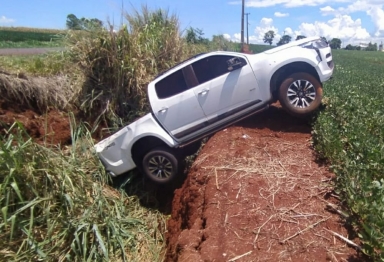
(203, 92)
(163, 110)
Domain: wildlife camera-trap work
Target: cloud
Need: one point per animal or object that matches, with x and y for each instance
(349, 31)
(288, 31)
(340, 24)
(265, 25)
(342, 27)
(256, 37)
(377, 16)
(278, 14)
(236, 37)
(227, 36)
(327, 10)
(373, 8)
(5, 20)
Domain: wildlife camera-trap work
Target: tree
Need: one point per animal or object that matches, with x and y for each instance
(300, 37)
(371, 47)
(285, 39)
(220, 43)
(335, 43)
(75, 23)
(350, 47)
(93, 23)
(268, 37)
(195, 36)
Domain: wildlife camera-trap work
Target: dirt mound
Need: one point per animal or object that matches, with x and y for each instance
(256, 193)
(52, 127)
(38, 104)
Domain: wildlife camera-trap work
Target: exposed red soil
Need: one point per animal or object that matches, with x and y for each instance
(257, 193)
(53, 127)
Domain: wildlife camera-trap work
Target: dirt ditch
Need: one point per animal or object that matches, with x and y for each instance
(257, 193)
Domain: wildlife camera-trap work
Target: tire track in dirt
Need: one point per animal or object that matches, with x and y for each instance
(257, 193)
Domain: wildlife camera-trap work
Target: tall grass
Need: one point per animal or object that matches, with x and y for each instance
(119, 64)
(56, 206)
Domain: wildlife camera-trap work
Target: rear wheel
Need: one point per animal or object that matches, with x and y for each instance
(300, 94)
(160, 165)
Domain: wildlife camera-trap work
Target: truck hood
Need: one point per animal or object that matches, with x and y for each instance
(291, 44)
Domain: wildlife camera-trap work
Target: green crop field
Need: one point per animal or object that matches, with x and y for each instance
(349, 133)
(19, 37)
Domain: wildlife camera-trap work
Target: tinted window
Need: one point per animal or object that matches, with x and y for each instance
(171, 85)
(211, 67)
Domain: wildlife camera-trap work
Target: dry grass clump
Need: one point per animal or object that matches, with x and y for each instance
(37, 93)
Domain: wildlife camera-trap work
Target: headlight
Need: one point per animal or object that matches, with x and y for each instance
(316, 44)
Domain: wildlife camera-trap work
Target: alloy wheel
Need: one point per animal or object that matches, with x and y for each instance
(301, 93)
(160, 167)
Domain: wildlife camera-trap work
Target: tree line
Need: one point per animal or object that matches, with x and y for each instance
(83, 23)
(195, 35)
(335, 43)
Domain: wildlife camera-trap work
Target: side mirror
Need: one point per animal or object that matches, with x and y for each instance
(235, 63)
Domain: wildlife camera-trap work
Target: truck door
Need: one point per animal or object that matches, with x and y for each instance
(175, 105)
(226, 83)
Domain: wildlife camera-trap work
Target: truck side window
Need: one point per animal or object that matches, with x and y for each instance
(171, 85)
(211, 67)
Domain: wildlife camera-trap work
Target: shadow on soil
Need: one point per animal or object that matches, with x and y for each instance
(278, 120)
(152, 196)
(160, 197)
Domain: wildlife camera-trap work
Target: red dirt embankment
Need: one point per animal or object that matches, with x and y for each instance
(257, 193)
(52, 127)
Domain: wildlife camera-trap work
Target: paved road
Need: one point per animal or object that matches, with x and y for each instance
(28, 51)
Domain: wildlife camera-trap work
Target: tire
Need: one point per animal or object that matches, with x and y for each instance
(300, 94)
(160, 165)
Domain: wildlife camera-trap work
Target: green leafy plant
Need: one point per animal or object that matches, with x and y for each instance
(56, 205)
(349, 133)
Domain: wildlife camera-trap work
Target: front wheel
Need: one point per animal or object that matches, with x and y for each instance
(300, 94)
(160, 165)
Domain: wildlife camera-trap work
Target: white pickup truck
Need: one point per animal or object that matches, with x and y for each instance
(211, 91)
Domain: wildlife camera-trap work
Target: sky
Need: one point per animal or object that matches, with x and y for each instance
(352, 21)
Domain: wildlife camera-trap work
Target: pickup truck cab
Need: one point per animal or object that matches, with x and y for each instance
(211, 91)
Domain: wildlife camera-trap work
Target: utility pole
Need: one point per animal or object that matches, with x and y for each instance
(247, 28)
(242, 23)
